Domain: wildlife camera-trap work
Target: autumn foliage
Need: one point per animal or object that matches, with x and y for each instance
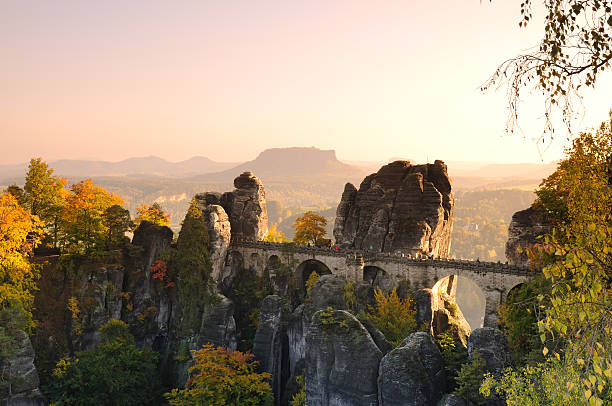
(393, 316)
(159, 271)
(309, 228)
(153, 214)
(221, 376)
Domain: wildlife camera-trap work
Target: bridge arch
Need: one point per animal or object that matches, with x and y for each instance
(469, 297)
(376, 276)
(273, 263)
(305, 268)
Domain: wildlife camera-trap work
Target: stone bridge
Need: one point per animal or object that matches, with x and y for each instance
(494, 279)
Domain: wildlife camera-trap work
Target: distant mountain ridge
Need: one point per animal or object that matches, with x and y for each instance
(147, 166)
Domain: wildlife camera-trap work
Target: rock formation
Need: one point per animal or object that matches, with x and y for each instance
(401, 207)
(447, 316)
(492, 346)
(246, 208)
(412, 374)
(219, 230)
(341, 361)
(23, 376)
(451, 400)
(525, 226)
(218, 325)
(271, 344)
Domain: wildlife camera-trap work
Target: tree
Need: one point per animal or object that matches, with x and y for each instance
(17, 193)
(309, 229)
(190, 266)
(275, 235)
(575, 50)
(393, 316)
(117, 222)
(577, 311)
(83, 229)
(116, 372)
(44, 195)
(221, 376)
(469, 379)
(20, 232)
(153, 214)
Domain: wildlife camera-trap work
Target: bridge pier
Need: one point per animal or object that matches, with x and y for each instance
(493, 298)
(354, 268)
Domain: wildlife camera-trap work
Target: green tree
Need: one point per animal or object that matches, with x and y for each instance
(17, 193)
(393, 316)
(153, 214)
(309, 228)
(221, 376)
(190, 266)
(117, 222)
(468, 380)
(454, 356)
(116, 372)
(44, 195)
(575, 49)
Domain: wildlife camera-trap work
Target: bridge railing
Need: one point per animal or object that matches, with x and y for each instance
(369, 257)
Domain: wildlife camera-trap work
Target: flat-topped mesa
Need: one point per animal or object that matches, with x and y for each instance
(402, 207)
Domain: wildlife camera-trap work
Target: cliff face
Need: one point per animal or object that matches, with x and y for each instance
(525, 227)
(401, 207)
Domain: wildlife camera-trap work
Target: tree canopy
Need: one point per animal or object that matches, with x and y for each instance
(221, 376)
(575, 49)
(309, 228)
(153, 214)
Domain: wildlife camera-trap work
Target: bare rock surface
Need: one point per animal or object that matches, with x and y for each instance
(412, 374)
(271, 344)
(219, 230)
(246, 208)
(401, 207)
(451, 400)
(24, 376)
(341, 361)
(447, 316)
(492, 346)
(525, 227)
(218, 325)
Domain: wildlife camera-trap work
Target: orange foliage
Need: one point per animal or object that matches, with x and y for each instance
(159, 271)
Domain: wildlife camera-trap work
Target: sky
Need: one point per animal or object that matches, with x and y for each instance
(227, 79)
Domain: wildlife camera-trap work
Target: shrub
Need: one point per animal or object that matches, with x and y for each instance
(393, 316)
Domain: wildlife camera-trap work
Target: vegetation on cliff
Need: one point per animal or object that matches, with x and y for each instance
(221, 376)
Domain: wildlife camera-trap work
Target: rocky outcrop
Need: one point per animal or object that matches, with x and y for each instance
(525, 227)
(423, 303)
(341, 361)
(24, 390)
(219, 230)
(401, 207)
(328, 291)
(218, 324)
(492, 346)
(379, 338)
(246, 208)
(153, 240)
(447, 316)
(412, 374)
(271, 344)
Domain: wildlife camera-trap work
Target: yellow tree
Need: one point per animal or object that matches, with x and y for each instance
(20, 232)
(153, 214)
(309, 228)
(393, 316)
(221, 376)
(83, 226)
(275, 235)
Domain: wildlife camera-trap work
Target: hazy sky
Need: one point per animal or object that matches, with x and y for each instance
(226, 79)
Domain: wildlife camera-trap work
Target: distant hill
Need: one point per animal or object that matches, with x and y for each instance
(295, 164)
(147, 166)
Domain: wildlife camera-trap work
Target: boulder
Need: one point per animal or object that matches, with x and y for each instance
(401, 207)
(271, 345)
(492, 346)
(24, 376)
(423, 302)
(341, 361)
(412, 374)
(328, 291)
(525, 227)
(246, 208)
(218, 325)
